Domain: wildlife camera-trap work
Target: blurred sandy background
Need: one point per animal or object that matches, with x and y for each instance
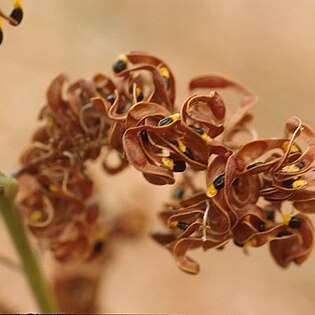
(269, 45)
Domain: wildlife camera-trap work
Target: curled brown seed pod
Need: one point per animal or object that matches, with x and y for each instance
(134, 116)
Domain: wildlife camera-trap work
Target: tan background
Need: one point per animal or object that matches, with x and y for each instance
(269, 45)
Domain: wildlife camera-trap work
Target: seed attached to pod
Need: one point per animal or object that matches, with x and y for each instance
(178, 193)
(175, 166)
(166, 76)
(36, 216)
(139, 94)
(182, 147)
(261, 226)
(16, 15)
(292, 183)
(217, 184)
(254, 165)
(284, 233)
(169, 119)
(99, 246)
(120, 64)
(196, 129)
(269, 213)
(295, 223)
(294, 148)
(179, 225)
(200, 131)
(111, 98)
(293, 167)
(144, 136)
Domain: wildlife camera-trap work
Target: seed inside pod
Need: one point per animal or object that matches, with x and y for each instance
(111, 98)
(120, 64)
(217, 184)
(269, 213)
(178, 193)
(295, 223)
(254, 165)
(284, 233)
(168, 120)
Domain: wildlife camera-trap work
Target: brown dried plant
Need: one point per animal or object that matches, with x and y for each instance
(255, 192)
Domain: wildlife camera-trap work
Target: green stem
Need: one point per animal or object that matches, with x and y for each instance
(13, 221)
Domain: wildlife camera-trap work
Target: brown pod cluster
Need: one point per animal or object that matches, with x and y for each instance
(229, 208)
(135, 117)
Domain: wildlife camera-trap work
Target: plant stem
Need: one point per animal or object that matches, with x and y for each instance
(13, 221)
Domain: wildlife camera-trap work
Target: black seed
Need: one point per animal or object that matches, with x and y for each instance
(269, 213)
(17, 15)
(219, 182)
(178, 193)
(237, 244)
(182, 225)
(140, 97)
(189, 154)
(254, 165)
(284, 233)
(300, 165)
(165, 121)
(1, 36)
(119, 66)
(261, 226)
(236, 181)
(144, 136)
(111, 98)
(288, 183)
(174, 142)
(295, 223)
(179, 166)
(196, 129)
(166, 82)
(99, 246)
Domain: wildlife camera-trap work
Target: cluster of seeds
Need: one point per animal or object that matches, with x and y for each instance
(135, 117)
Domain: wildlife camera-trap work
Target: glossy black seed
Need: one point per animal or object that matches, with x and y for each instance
(284, 233)
(219, 182)
(165, 121)
(182, 225)
(188, 153)
(166, 82)
(17, 15)
(144, 136)
(111, 98)
(179, 193)
(254, 165)
(295, 223)
(99, 246)
(119, 66)
(179, 166)
(1, 36)
(288, 183)
(269, 213)
(196, 129)
(261, 226)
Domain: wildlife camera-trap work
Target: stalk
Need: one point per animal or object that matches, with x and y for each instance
(13, 221)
